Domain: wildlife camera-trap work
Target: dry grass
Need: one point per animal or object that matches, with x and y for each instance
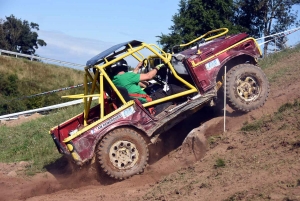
(46, 75)
(283, 70)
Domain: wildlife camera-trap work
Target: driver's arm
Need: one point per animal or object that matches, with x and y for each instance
(149, 75)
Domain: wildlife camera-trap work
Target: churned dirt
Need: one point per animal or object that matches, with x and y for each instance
(262, 165)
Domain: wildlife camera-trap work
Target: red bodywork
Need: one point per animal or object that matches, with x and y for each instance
(205, 78)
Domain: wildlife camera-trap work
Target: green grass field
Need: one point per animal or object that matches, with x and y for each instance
(31, 141)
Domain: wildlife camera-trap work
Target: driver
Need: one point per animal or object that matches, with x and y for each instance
(133, 81)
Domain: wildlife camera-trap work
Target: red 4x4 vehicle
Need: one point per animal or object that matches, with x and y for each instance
(117, 131)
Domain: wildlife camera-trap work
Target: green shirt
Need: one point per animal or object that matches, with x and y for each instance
(130, 81)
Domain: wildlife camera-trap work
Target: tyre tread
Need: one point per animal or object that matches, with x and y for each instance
(231, 101)
(101, 149)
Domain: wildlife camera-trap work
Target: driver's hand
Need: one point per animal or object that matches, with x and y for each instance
(143, 84)
(140, 64)
(146, 83)
(159, 66)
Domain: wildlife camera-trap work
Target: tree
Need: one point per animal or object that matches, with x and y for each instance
(256, 17)
(19, 36)
(196, 17)
(266, 17)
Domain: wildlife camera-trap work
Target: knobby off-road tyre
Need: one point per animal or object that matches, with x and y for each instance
(122, 153)
(247, 87)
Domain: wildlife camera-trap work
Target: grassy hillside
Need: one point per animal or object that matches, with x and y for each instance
(21, 77)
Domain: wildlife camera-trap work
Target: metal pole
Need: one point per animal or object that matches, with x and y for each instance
(225, 101)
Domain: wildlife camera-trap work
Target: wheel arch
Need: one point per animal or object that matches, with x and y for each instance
(232, 61)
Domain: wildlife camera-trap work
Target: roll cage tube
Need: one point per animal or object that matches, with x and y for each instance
(166, 59)
(225, 30)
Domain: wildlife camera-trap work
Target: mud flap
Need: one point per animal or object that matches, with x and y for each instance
(195, 143)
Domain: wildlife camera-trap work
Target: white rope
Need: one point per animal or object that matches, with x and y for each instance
(14, 115)
(266, 42)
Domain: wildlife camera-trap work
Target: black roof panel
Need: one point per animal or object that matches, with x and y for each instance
(107, 52)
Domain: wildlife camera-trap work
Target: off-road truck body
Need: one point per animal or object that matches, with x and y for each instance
(117, 131)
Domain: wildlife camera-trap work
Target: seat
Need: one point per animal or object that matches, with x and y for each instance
(116, 100)
(124, 93)
(179, 66)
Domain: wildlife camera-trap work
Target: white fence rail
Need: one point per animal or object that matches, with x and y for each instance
(31, 57)
(43, 109)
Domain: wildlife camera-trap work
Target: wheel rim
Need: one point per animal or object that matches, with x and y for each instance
(123, 154)
(248, 88)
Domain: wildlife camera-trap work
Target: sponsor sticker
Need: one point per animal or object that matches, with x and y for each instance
(124, 114)
(107, 122)
(212, 64)
(127, 112)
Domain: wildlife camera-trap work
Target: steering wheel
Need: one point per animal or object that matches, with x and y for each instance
(146, 65)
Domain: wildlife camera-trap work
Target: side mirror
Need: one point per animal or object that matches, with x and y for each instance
(176, 46)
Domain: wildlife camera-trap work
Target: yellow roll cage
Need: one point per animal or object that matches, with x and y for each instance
(135, 52)
(100, 72)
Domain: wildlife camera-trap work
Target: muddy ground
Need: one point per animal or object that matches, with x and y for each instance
(262, 165)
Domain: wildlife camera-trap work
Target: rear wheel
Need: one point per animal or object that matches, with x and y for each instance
(122, 153)
(247, 87)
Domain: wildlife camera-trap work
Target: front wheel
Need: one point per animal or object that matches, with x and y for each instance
(122, 153)
(247, 87)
